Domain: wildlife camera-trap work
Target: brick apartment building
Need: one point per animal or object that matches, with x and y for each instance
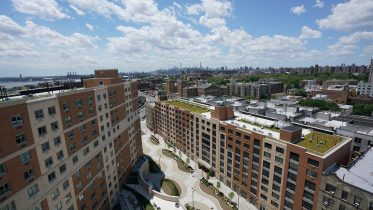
(69, 150)
(271, 169)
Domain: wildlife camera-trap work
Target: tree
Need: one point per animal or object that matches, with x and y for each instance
(231, 195)
(218, 185)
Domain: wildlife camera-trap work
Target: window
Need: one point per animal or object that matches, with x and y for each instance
(25, 157)
(86, 151)
(29, 174)
(52, 110)
(268, 145)
(2, 169)
(267, 154)
(279, 159)
(90, 100)
(294, 156)
(38, 207)
(65, 184)
(39, 114)
(33, 190)
(48, 162)
(70, 135)
(57, 141)
(58, 206)
(42, 130)
(330, 188)
(82, 128)
(98, 97)
(51, 177)
(78, 103)
(311, 173)
(313, 162)
(75, 159)
(66, 107)
(280, 150)
(80, 116)
(344, 195)
(55, 193)
(68, 197)
(310, 185)
(4, 189)
(60, 155)
(68, 121)
(54, 126)
(10, 206)
(45, 147)
(62, 168)
(357, 200)
(16, 120)
(21, 139)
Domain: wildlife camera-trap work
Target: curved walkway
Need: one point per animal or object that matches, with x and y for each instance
(186, 181)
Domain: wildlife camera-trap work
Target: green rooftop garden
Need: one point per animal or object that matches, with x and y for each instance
(188, 106)
(319, 142)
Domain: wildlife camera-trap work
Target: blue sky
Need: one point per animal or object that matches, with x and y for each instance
(53, 37)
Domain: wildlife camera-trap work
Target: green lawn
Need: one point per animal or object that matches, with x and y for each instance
(188, 106)
(319, 142)
(169, 187)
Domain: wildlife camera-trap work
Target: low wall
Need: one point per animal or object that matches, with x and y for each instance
(165, 196)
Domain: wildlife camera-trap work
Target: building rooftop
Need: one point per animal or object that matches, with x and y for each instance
(319, 142)
(292, 128)
(192, 107)
(359, 173)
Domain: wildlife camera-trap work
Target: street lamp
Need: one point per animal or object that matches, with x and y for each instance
(159, 161)
(193, 197)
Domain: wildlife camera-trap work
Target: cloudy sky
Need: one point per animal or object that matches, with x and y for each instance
(52, 37)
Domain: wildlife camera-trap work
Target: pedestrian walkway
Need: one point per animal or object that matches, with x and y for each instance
(188, 182)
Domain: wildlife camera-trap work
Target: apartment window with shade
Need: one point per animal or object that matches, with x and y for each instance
(51, 110)
(25, 157)
(54, 126)
(2, 169)
(51, 177)
(78, 103)
(21, 139)
(33, 190)
(330, 188)
(48, 162)
(66, 107)
(45, 147)
(16, 120)
(313, 162)
(29, 174)
(5, 189)
(55, 193)
(39, 114)
(57, 141)
(42, 130)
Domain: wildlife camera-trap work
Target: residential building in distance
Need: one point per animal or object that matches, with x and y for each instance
(72, 149)
(150, 116)
(170, 87)
(271, 168)
(254, 90)
(365, 88)
(370, 79)
(350, 187)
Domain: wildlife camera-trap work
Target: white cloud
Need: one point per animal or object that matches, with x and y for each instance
(77, 11)
(298, 10)
(309, 33)
(319, 4)
(89, 26)
(349, 16)
(347, 45)
(46, 9)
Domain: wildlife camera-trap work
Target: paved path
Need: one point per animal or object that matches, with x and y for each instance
(186, 181)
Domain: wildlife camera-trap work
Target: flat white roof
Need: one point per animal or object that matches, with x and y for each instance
(359, 174)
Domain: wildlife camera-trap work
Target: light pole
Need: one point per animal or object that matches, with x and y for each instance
(159, 161)
(193, 198)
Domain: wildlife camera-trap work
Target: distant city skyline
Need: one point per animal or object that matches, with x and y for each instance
(50, 37)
